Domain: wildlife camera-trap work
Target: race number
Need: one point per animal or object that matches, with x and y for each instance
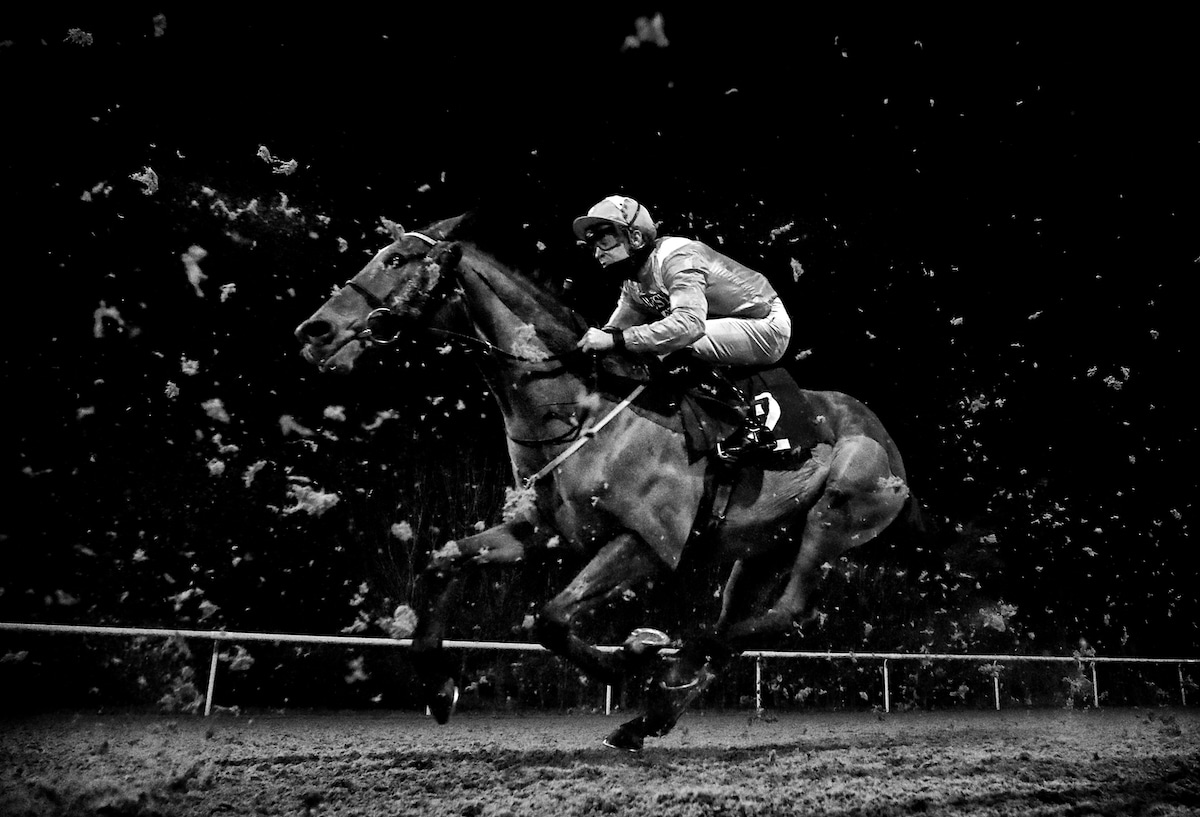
(767, 407)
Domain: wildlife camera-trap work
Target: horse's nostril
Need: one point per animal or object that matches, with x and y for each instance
(314, 331)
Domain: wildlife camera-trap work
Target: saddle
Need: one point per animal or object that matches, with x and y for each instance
(701, 400)
(693, 396)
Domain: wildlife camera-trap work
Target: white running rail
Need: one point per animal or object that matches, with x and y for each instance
(219, 636)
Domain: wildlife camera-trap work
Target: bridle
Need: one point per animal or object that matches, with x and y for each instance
(380, 312)
(577, 435)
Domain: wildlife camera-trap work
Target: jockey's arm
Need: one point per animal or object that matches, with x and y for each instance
(625, 315)
(683, 324)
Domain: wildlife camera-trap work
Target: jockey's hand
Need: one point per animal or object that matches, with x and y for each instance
(595, 340)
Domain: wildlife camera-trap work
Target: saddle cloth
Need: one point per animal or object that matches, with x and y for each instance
(689, 403)
(784, 407)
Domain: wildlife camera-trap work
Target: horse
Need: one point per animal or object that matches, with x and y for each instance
(615, 477)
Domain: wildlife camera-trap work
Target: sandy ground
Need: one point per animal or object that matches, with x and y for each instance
(299, 763)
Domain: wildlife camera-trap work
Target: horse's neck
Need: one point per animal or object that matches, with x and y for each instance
(505, 312)
(512, 312)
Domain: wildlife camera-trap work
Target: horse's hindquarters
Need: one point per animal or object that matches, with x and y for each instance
(853, 478)
(766, 504)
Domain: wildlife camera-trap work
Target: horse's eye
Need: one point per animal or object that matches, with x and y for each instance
(395, 262)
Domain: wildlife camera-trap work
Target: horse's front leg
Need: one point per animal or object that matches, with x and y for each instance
(619, 566)
(438, 588)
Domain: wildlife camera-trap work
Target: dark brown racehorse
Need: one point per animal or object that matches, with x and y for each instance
(612, 479)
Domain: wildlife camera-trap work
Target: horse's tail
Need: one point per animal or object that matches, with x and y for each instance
(914, 527)
(914, 519)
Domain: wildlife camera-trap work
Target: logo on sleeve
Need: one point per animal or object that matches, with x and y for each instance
(656, 301)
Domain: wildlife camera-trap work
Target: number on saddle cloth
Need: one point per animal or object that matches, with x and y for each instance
(712, 398)
(786, 409)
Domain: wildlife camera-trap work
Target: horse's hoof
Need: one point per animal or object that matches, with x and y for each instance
(678, 685)
(646, 640)
(680, 675)
(625, 739)
(443, 703)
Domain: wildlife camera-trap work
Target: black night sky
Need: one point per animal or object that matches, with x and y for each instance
(983, 230)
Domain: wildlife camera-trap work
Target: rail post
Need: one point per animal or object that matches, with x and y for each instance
(887, 692)
(1095, 688)
(212, 678)
(758, 683)
(608, 699)
(1182, 687)
(996, 688)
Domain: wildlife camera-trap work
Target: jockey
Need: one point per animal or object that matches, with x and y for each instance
(677, 293)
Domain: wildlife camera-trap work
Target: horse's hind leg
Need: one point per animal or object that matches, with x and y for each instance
(749, 581)
(860, 498)
(618, 567)
(748, 584)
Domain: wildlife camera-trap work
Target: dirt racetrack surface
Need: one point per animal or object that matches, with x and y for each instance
(298, 763)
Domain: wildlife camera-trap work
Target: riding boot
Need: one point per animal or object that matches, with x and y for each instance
(752, 438)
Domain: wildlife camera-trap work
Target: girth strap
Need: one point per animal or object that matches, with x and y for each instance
(719, 481)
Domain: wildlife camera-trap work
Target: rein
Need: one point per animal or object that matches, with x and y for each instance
(568, 436)
(581, 436)
(492, 348)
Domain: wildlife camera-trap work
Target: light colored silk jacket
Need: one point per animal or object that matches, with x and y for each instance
(684, 282)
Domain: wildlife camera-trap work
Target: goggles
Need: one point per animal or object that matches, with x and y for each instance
(603, 238)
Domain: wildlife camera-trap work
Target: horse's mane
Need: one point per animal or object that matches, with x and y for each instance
(509, 245)
(510, 250)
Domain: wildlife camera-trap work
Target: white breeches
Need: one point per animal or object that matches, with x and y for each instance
(746, 341)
